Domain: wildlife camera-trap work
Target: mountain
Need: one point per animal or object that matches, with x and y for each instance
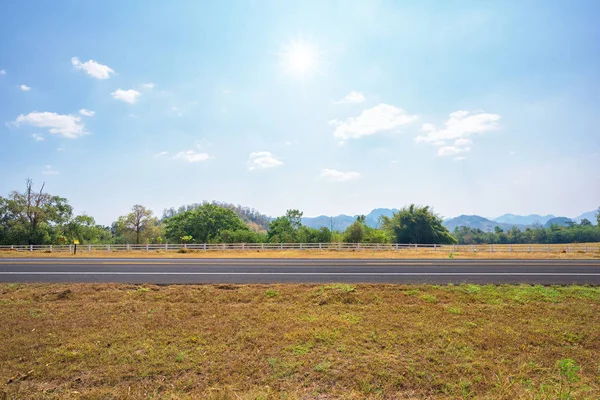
(591, 216)
(477, 222)
(531, 219)
(342, 221)
(560, 221)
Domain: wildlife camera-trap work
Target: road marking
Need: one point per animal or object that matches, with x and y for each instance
(308, 273)
(315, 263)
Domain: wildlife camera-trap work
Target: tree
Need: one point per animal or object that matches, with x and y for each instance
(32, 217)
(355, 232)
(585, 222)
(295, 217)
(205, 223)
(139, 226)
(598, 216)
(415, 224)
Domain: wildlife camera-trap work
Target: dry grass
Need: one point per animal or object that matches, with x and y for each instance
(402, 254)
(299, 342)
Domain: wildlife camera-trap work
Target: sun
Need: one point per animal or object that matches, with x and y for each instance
(300, 58)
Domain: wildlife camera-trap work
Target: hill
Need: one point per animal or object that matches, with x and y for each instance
(531, 219)
(342, 221)
(477, 222)
(559, 221)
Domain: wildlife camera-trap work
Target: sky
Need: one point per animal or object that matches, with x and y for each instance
(330, 107)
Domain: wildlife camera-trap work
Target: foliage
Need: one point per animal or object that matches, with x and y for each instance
(584, 232)
(414, 224)
(139, 226)
(206, 224)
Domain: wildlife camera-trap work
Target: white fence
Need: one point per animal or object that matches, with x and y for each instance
(257, 247)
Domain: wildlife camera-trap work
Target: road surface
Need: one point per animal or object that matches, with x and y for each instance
(189, 271)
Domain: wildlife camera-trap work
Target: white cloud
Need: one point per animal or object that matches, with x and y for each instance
(339, 176)
(68, 126)
(162, 153)
(262, 160)
(87, 113)
(177, 111)
(462, 142)
(352, 97)
(25, 88)
(128, 96)
(458, 128)
(460, 158)
(452, 150)
(192, 156)
(461, 125)
(2, 72)
(148, 85)
(37, 137)
(48, 170)
(92, 68)
(428, 127)
(382, 117)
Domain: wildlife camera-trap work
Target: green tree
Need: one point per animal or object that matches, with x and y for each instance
(205, 224)
(355, 233)
(32, 217)
(139, 226)
(295, 217)
(415, 224)
(585, 222)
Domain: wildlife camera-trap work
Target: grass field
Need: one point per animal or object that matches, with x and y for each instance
(299, 342)
(403, 254)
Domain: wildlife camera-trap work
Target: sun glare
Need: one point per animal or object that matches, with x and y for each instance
(300, 58)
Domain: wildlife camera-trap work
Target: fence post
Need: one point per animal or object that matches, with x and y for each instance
(548, 248)
(586, 248)
(51, 249)
(70, 247)
(396, 246)
(127, 246)
(530, 248)
(166, 246)
(358, 247)
(204, 245)
(319, 246)
(492, 247)
(454, 248)
(243, 246)
(146, 247)
(89, 248)
(510, 247)
(262, 246)
(281, 246)
(300, 246)
(434, 247)
(108, 247)
(339, 246)
(377, 247)
(31, 247)
(567, 249)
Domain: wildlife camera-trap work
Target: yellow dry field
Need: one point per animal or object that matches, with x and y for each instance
(592, 253)
(109, 341)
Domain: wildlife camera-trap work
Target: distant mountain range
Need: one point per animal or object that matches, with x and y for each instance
(505, 222)
(342, 221)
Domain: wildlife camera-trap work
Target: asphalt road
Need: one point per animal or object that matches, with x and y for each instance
(187, 271)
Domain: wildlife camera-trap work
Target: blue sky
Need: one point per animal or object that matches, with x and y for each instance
(331, 107)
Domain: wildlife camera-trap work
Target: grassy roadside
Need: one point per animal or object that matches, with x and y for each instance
(403, 254)
(299, 342)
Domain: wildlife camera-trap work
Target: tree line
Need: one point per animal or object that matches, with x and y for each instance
(36, 217)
